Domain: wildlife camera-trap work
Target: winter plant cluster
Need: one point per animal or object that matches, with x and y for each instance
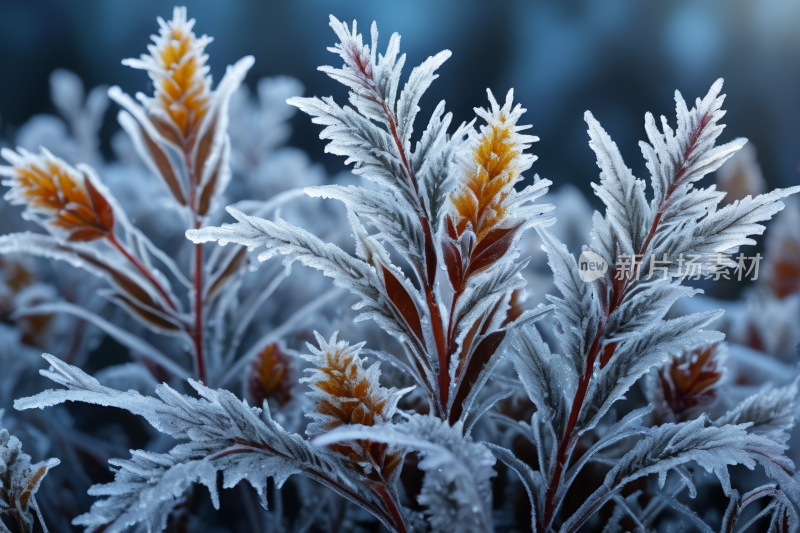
(617, 406)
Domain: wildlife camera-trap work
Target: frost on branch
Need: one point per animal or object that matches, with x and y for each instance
(19, 481)
(447, 181)
(613, 329)
(671, 446)
(456, 489)
(223, 434)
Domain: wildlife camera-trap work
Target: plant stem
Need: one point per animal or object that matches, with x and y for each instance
(198, 308)
(617, 293)
(393, 509)
(112, 239)
(198, 330)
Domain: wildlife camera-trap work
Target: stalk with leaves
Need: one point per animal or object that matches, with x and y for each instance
(612, 329)
(448, 205)
(180, 134)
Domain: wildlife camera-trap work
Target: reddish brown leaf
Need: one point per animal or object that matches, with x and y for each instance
(451, 229)
(515, 309)
(452, 257)
(452, 260)
(86, 235)
(102, 209)
(483, 352)
(208, 190)
(271, 376)
(402, 301)
(165, 169)
(147, 314)
(204, 148)
(231, 268)
(491, 248)
(167, 131)
(430, 252)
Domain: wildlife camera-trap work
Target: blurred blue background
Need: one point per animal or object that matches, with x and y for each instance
(618, 58)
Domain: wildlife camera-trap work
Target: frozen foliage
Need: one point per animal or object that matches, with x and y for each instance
(19, 482)
(223, 434)
(456, 489)
(613, 329)
(468, 391)
(449, 204)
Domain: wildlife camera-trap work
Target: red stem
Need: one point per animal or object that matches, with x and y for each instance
(392, 506)
(617, 293)
(112, 239)
(430, 267)
(197, 333)
(198, 308)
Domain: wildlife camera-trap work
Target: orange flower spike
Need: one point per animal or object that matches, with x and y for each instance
(689, 382)
(177, 65)
(271, 376)
(66, 197)
(345, 393)
(497, 162)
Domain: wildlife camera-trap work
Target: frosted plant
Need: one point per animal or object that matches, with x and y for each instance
(180, 133)
(612, 329)
(222, 433)
(450, 204)
(19, 482)
(406, 446)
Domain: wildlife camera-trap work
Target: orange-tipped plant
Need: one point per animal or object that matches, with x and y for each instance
(345, 393)
(688, 385)
(177, 65)
(481, 202)
(65, 198)
(271, 376)
(450, 205)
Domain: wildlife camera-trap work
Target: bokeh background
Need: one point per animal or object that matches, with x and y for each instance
(618, 58)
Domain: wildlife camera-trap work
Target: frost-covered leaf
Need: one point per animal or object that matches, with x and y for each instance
(670, 446)
(623, 194)
(224, 434)
(544, 376)
(576, 312)
(19, 481)
(636, 357)
(677, 159)
(533, 480)
(400, 227)
(364, 143)
(456, 489)
(772, 412)
(145, 490)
